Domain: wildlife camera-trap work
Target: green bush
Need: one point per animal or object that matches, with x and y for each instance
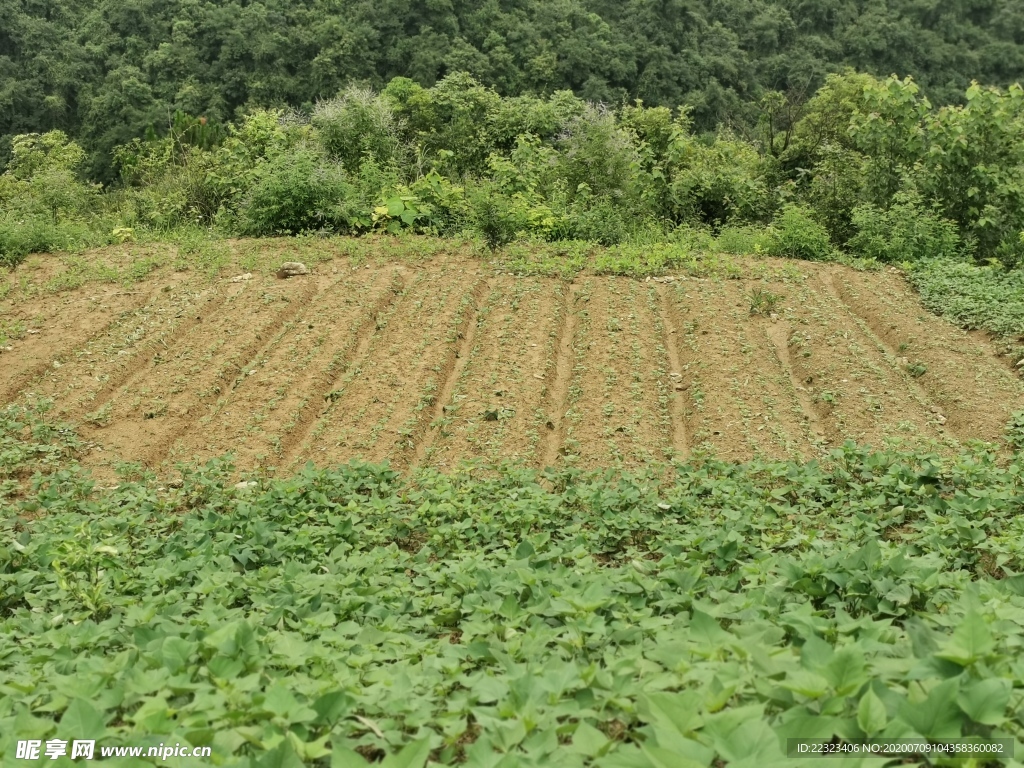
(449, 122)
(22, 236)
(498, 218)
(835, 189)
(714, 183)
(358, 125)
(795, 234)
(42, 178)
(743, 238)
(906, 232)
(299, 191)
(596, 156)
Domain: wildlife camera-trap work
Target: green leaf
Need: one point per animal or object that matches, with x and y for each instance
(332, 706)
(971, 642)
(666, 758)
(706, 631)
(753, 743)
(279, 701)
(871, 714)
(680, 711)
(395, 207)
(175, 653)
(343, 757)
(282, 756)
(81, 720)
(985, 701)
(808, 684)
(587, 740)
(413, 755)
(846, 671)
(938, 716)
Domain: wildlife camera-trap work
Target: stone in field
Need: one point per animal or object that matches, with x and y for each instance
(292, 269)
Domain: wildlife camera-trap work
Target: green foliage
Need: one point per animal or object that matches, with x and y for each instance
(865, 164)
(1015, 431)
(795, 234)
(297, 191)
(906, 232)
(834, 189)
(713, 183)
(888, 131)
(42, 179)
(596, 156)
(352, 613)
(44, 205)
(358, 125)
(987, 297)
(763, 301)
(22, 235)
(973, 167)
(31, 443)
(450, 118)
(743, 239)
(106, 72)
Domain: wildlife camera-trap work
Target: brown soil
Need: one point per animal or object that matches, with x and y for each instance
(496, 408)
(436, 361)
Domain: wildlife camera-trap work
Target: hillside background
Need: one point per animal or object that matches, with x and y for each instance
(105, 71)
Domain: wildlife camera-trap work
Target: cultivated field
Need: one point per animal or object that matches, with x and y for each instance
(443, 357)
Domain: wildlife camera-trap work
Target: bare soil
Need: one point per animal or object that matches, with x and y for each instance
(440, 359)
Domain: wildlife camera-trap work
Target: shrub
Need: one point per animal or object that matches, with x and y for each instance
(906, 232)
(40, 234)
(795, 234)
(358, 125)
(596, 155)
(743, 238)
(714, 183)
(298, 191)
(43, 178)
(498, 218)
(836, 185)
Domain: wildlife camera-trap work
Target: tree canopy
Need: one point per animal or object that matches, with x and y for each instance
(106, 71)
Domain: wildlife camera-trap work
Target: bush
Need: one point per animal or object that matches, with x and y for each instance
(596, 155)
(359, 125)
(714, 183)
(40, 234)
(42, 178)
(795, 234)
(299, 191)
(907, 232)
(835, 189)
(743, 238)
(497, 217)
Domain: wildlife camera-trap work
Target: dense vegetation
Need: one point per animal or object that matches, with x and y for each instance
(690, 617)
(105, 71)
(866, 164)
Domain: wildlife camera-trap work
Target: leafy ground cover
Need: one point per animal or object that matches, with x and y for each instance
(987, 298)
(693, 615)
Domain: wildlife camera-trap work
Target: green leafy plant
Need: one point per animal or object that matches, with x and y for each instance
(593, 614)
(795, 234)
(906, 232)
(1015, 431)
(763, 301)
